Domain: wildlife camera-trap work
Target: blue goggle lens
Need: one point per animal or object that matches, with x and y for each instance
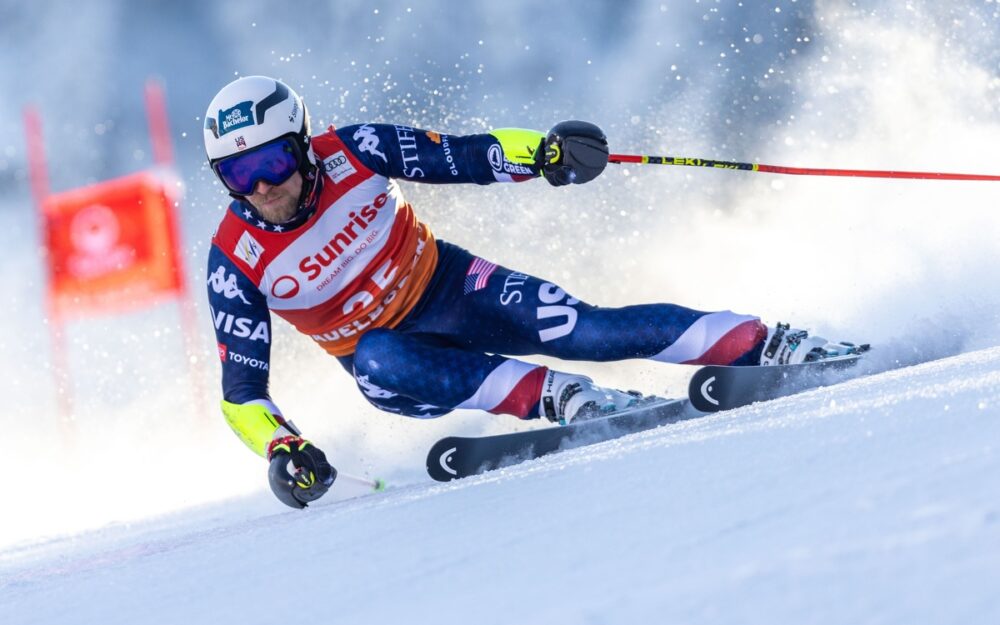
(274, 163)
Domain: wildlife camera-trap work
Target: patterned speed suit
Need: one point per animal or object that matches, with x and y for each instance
(423, 325)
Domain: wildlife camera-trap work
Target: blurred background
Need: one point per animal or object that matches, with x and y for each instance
(907, 265)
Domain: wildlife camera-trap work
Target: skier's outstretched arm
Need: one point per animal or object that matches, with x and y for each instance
(572, 152)
(299, 472)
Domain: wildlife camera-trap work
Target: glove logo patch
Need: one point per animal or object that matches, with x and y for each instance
(554, 153)
(305, 479)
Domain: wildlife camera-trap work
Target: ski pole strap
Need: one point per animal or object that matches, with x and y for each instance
(685, 161)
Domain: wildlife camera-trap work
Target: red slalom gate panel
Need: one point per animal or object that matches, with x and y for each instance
(112, 246)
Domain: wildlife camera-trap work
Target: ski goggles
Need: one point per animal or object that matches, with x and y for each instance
(273, 162)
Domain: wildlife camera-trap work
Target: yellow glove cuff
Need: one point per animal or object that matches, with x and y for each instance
(519, 145)
(253, 423)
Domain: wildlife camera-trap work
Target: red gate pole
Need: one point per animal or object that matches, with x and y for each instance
(38, 176)
(159, 134)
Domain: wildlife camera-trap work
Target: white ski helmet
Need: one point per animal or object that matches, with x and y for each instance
(251, 112)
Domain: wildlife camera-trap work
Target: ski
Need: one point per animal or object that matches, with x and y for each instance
(719, 387)
(456, 457)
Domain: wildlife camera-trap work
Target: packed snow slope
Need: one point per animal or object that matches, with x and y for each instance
(904, 265)
(870, 502)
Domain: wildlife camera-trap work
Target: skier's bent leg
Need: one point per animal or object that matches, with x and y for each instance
(425, 376)
(674, 334)
(484, 307)
(661, 332)
(724, 338)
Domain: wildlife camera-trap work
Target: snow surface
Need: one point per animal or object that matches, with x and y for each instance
(870, 502)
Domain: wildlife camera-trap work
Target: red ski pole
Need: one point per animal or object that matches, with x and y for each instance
(800, 171)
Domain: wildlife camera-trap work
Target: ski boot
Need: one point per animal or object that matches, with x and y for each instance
(785, 346)
(567, 397)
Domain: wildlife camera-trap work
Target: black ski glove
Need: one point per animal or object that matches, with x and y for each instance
(299, 473)
(573, 152)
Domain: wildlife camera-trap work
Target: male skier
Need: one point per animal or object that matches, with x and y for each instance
(319, 233)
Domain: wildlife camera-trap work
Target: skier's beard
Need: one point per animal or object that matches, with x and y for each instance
(278, 204)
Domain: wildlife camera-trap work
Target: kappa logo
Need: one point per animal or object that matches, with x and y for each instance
(226, 285)
(338, 166)
(237, 117)
(368, 141)
(248, 249)
(372, 390)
